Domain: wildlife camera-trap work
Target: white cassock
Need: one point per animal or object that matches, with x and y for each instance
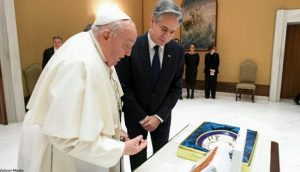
(73, 120)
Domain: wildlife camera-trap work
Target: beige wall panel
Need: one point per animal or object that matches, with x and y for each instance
(38, 21)
(134, 9)
(245, 30)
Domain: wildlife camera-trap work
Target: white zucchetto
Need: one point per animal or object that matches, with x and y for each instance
(107, 16)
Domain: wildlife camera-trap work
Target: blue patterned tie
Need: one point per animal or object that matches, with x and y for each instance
(155, 65)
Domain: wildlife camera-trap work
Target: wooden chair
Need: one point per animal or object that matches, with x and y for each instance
(247, 80)
(32, 74)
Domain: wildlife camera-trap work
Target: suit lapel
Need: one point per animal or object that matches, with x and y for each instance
(168, 62)
(145, 57)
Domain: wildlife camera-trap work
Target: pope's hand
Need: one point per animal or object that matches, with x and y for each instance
(123, 136)
(135, 145)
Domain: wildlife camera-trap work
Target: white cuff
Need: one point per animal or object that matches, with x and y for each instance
(161, 120)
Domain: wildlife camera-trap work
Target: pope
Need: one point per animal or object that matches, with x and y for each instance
(73, 119)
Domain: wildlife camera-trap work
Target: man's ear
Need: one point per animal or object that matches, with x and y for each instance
(152, 20)
(104, 36)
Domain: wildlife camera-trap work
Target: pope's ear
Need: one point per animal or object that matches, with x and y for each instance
(104, 36)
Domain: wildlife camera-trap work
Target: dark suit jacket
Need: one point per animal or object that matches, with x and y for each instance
(48, 53)
(211, 62)
(140, 98)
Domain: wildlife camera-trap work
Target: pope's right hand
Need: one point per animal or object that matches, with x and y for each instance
(135, 145)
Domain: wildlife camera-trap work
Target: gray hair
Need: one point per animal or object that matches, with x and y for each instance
(114, 26)
(167, 7)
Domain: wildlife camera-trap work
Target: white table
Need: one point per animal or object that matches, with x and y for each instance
(166, 158)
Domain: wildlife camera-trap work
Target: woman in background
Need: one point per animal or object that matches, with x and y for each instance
(211, 71)
(191, 70)
(297, 99)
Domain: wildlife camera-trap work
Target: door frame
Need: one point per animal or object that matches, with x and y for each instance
(10, 63)
(283, 18)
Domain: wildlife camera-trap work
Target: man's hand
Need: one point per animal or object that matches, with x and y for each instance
(151, 123)
(212, 72)
(123, 136)
(135, 145)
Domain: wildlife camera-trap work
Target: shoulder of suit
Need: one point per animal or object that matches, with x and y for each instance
(141, 41)
(141, 38)
(49, 49)
(176, 45)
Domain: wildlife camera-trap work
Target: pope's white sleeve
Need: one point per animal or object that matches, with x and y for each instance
(104, 151)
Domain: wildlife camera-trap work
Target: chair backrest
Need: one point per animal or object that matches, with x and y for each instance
(32, 74)
(248, 71)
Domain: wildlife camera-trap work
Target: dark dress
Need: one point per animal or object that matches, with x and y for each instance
(191, 68)
(212, 61)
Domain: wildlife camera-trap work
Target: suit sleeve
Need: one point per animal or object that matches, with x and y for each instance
(123, 69)
(174, 90)
(206, 64)
(185, 59)
(217, 63)
(44, 59)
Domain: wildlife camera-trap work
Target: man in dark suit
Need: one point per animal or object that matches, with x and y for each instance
(151, 79)
(48, 53)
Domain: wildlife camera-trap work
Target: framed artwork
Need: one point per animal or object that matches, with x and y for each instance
(199, 23)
